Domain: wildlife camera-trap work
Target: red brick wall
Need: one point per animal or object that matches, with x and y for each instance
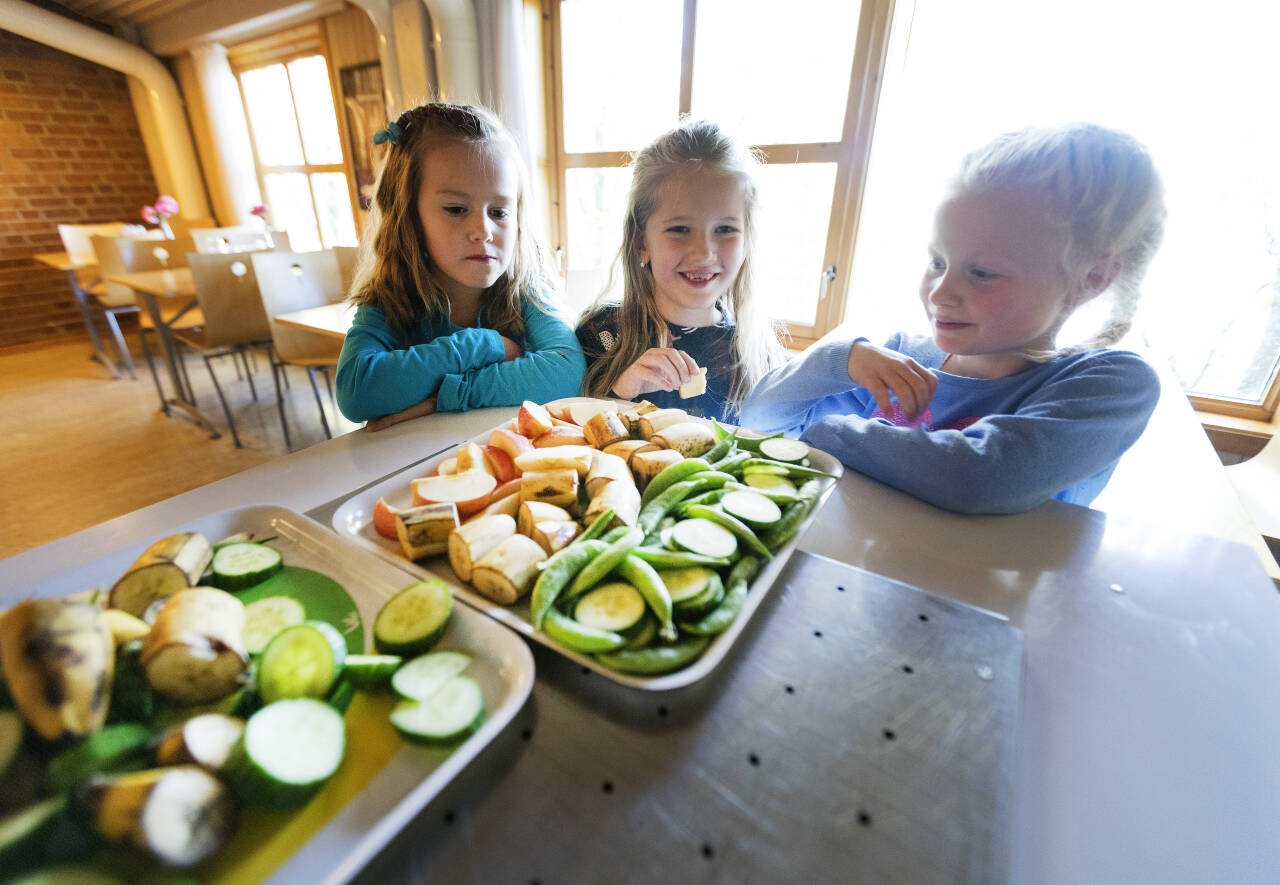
(70, 152)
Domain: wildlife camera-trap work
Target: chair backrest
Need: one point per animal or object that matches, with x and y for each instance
(231, 239)
(347, 264)
(227, 290)
(117, 255)
(76, 238)
(290, 281)
(183, 226)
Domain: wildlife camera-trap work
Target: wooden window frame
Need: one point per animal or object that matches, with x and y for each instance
(282, 48)
(850, 155)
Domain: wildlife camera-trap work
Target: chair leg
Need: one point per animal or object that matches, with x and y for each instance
(126, 358)
(188, 392)
(146, 352)
(240, 351)
(284, 425)
(226, 410)
(328, 383)
(324, 421)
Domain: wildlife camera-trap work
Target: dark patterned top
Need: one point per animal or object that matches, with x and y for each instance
(710, 346)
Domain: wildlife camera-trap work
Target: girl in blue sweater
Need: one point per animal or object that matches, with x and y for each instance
(989, 414)
(453, 308)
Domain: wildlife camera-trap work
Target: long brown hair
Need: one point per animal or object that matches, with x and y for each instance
(394, 271)
(693, 145)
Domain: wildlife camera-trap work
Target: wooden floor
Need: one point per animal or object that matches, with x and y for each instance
(78, 447)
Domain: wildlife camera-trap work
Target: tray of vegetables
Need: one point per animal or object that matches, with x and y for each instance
(247, 699)
(638, 541)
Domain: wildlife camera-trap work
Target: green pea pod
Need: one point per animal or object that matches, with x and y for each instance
(708, 498)
(774, 496)
(733, 463)
(785, 529)
(794, 470)
(721, 449)
(750, 443)
(652, 513)
(739, 528)
(580, 637)
(559, 569)
(615, 533)
(656, 658)
(606, 562)
(598, 526)
(672, 474)
(639, 574)
(719, 618)
(745, 570)
(661, 557)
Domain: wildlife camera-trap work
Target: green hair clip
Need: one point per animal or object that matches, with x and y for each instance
(392, 133)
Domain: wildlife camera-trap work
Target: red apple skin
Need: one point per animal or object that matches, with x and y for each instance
(514, 444)
(501, 464)
(533, 420)
(504, 490)
(561, 436)
(384, 520)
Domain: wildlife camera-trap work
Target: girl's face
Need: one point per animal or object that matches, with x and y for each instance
(694, 243)
(994, 286)
(467, 204)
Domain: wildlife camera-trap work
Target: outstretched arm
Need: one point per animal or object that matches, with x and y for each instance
(792, 397)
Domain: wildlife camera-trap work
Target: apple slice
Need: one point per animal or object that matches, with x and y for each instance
(560, 436)
(583, 411)
(447, 468)
(384, 520)
(469, 491)
(471, 457)
(501, 464)
(510, 442)
(533, 420)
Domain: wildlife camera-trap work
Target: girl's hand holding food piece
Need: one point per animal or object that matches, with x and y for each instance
(883, 371)
(659, 368)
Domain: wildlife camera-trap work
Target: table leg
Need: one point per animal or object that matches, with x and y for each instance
(82, 302)
(180, 402)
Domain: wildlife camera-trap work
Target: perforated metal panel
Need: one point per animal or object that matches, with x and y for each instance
(861, 731)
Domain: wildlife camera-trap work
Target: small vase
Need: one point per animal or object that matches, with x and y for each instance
(168, 231)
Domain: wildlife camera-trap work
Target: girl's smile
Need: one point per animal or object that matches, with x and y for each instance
(693, 243)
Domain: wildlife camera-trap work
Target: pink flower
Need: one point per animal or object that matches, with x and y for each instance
(259, 210)
(150, 215)
(166, 205)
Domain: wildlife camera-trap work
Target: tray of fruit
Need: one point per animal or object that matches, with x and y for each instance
(638, 541)
(246, 699)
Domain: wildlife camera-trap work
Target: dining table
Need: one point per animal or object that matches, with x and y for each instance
(1101, 683)
(169, 283)
(332, 320)
(72, 269)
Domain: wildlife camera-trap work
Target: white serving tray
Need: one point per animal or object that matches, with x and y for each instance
(501, 664)
(354, 520)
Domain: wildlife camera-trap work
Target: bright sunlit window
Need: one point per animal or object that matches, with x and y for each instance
(299, 153)
(1192, 82)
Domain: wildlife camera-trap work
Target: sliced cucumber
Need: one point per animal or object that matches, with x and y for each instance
(105, 750)
(425, 675)
(413, 620)
(10, 738)
(449, 715)
(752, 508)
(302, 661)
(370, 671)
(580, 637)
(287, 752)
(615, 606)
(705, 537)
(750, 470)
(243, 564)
(783, 449)
(266, 617)
(685, 583)
(41, 833)
(642, 633)
(698, 605)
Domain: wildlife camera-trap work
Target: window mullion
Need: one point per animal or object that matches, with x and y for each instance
(686, 56)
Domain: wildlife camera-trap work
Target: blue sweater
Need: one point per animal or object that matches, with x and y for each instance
(380, 375)
(983, 446)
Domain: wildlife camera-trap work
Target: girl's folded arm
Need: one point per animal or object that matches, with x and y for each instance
(1071, 429)
(551, 368)
(375, 378)
(794, 396)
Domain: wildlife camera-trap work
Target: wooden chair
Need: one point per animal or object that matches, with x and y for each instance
(241, 238)
(234, 318)
(347, 256)
(182, 227)
(1257, 482)
(290, 281)
(119, 255)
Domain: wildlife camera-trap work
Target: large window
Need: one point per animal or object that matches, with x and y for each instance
(924, 82)
(734, 61)
(296, 143)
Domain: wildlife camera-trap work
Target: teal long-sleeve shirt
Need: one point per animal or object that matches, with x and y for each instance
(379, 375)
